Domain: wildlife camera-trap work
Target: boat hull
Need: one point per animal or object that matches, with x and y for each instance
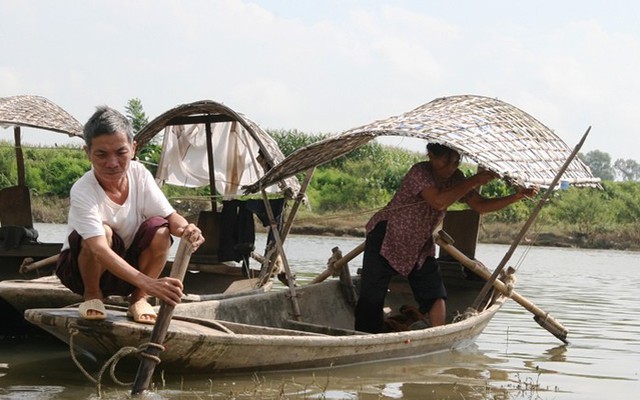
(203, 337)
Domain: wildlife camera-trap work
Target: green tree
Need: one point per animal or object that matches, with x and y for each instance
(136, 115)
(600, 164)
(149, 154)
(628, 170)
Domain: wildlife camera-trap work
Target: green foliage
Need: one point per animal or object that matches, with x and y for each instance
(334, 189)
(8, 167)
(149, 155)
(600, 164)
(586, 210)
(136, 115)
(47, 170)
(363, 179)
(624, 201)
(292, 140)
(59, 172)
(514, 213)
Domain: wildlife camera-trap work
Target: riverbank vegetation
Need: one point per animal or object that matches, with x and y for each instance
(344, 193)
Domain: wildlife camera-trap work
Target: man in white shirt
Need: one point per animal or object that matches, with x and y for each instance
(120, 226)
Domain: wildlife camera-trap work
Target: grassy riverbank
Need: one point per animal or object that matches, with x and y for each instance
(54, 210)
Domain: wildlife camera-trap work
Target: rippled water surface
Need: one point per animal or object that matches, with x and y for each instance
(593, 293)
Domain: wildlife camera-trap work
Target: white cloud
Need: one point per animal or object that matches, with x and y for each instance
(329, 66)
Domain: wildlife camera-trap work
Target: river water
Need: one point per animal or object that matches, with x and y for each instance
(593, 293)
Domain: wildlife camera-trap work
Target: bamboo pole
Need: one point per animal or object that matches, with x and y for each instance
(534, 214)
(150, 354)
(210, 163)
(19, 156)
(291, 281)
(298, 201)
(271, 256)
(540, 316)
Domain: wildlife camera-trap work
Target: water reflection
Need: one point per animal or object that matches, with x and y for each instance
(557, 354)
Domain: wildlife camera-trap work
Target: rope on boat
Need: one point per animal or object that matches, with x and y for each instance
(468, 313)
(112, 362)
(509, 280)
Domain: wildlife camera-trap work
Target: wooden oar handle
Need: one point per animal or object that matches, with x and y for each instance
(28, 264)
(148, 364)
(542, 317)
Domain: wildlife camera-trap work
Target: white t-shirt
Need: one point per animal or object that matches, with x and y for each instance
(91, 207)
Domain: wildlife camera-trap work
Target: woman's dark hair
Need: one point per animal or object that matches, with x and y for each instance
(440, 150)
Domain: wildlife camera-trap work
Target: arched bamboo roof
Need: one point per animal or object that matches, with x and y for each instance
(494, 134)
(37, 112)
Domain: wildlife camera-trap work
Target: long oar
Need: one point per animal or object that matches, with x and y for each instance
(525, 228)
(150, 354)
(540, 316)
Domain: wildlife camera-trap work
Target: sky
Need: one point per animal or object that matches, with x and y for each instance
(328, 66)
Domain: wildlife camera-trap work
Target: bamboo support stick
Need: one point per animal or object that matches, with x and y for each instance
(525, 228)
(280, 249)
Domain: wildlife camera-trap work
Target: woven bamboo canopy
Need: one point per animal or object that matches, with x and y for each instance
(210, 112)
(491, 133)
(34, 112)
(37, 112)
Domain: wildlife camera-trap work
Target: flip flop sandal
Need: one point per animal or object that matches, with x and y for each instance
(139, 309)
(95, 305)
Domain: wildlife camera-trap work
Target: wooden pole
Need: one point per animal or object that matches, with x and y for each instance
(298, 201)
(270, 258)
(291, 281)
(540, 316)
(525, 228)
(150, 354)
(212, 170)
(19, 155)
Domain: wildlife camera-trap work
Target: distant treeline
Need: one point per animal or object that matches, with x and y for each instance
(364, 179)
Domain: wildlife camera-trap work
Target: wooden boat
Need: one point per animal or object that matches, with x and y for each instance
(205, 143)
(311, 326)
(251, 333)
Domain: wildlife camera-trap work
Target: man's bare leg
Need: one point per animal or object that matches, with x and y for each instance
(91, 272)
(151, 263)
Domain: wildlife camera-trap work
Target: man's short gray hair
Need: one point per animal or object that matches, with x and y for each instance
(106, 121)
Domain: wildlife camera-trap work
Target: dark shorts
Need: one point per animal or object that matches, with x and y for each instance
(426, 283)
(67, 267)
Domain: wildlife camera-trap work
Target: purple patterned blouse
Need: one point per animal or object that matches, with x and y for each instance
(411, 220)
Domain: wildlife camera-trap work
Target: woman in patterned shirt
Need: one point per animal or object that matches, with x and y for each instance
(399, 237)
